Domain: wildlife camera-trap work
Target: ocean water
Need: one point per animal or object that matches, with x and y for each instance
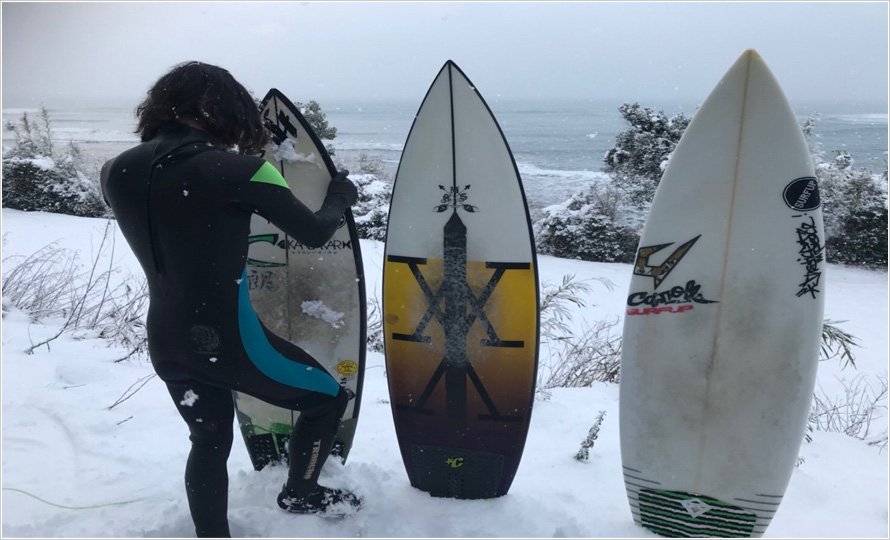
(558, 146)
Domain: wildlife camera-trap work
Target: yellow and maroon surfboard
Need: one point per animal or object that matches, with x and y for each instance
(460, 298)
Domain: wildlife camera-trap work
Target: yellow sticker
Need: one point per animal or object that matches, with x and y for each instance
(347, 367)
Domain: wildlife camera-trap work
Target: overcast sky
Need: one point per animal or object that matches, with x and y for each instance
(70, 54)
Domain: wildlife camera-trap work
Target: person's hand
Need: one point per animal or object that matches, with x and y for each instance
(342, 186)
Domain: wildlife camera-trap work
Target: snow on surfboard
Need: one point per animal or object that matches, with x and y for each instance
(314, 298)
(724, 315)
(460, 298)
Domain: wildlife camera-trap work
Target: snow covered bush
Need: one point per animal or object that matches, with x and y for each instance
(52, 284)
(375, 324)
(592, 435)
(588, 227)
(38, 176)
(640, 154)
(371, 211)
(603, 222)
(854, 204)
(575, 355)
(859, 413)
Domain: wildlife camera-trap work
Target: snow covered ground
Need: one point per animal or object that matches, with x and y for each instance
(62, 443)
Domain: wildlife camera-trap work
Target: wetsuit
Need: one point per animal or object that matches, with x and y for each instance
(185, 207)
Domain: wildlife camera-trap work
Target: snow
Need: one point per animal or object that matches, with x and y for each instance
(70, 438)
(372, 186)
(189, 398)
(318, 310)
(41, 162)
(286, 152)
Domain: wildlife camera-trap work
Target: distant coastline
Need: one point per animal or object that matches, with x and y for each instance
(558, 145)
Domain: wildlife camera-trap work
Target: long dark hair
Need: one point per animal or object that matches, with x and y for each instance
(209, 97)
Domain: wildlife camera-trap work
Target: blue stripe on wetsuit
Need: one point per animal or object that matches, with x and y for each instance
(268, 360)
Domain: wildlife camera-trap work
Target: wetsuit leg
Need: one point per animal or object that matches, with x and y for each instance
(209, 412)
(313, 435)
(311, 442)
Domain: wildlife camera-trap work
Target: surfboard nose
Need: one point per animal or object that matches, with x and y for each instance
(740, 69)
(751, 68)
(752, 54)
(748, 61)
(749, 81)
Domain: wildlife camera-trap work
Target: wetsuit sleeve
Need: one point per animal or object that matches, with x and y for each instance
(268, 195)
(103, 180)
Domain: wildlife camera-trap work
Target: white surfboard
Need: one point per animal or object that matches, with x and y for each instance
(312, 297)
(724, 315)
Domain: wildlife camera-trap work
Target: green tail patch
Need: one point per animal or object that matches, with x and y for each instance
(265, 445)
(677, 514)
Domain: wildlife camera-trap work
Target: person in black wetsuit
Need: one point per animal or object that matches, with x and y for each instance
(183, 200)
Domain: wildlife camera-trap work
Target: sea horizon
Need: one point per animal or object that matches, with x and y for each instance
(558, 145)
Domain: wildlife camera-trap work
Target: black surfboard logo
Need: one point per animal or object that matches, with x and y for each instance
(802, 194)
(281, 127)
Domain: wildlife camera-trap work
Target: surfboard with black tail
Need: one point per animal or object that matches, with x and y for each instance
(460, 298)
(314, 298)
(724, 316)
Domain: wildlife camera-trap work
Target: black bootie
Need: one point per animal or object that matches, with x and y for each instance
(323, 501)
(309, 446)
